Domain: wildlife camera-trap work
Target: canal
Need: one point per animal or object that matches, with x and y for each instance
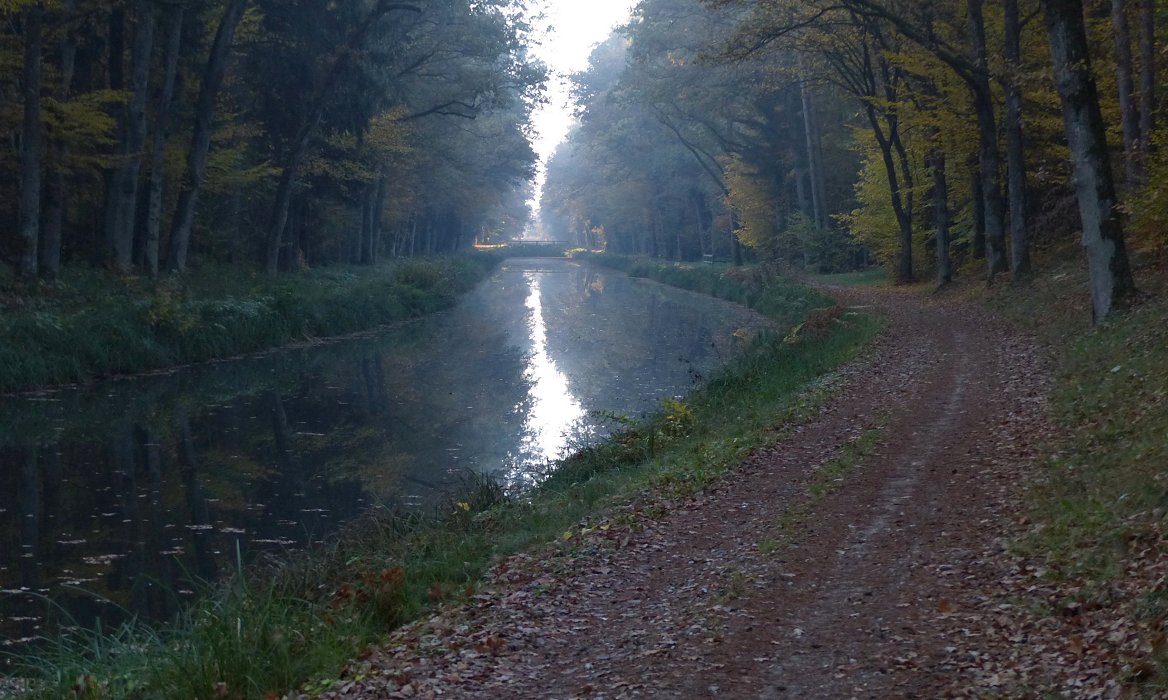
(115, 497)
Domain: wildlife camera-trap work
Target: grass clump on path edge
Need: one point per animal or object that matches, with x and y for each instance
(296, 625)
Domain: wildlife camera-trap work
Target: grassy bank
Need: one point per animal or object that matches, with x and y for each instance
(300, 622)
(1104, 493)
(91, 324)
(748, 286)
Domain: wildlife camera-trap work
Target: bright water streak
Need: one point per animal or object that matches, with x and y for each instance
(554, 409)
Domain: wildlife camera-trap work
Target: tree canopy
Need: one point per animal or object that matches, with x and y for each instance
(282, 132)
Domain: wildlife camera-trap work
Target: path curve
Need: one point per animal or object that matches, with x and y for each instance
(730, 595)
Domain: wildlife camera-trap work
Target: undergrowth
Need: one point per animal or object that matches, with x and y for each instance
(296, 625)
(91, 324)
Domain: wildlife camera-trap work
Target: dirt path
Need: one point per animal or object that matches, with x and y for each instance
(733, 595)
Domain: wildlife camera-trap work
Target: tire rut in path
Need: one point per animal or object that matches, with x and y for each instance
(853, 607)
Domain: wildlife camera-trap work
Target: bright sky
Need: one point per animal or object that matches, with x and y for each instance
(575, 27)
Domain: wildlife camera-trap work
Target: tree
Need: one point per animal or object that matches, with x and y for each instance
(1129, 115)
(212, 80)
(162, 125)
(1111, 276)
(1015, 145)
(123, 197)
(30, 143)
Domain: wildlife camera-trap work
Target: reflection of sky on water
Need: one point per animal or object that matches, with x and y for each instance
(554, 409)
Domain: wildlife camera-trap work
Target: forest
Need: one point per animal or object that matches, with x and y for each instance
(826, 135)
(288, 135)
(256, 404)
(279, 135)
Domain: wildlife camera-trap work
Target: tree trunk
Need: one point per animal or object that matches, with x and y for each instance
(1147, 81)
(989, 161)
(977, 205)
(30, 144)
(1129, 115)
(112, 177)
(124, 198)
(235, 246)
(904, 264)
(184, 215)
(814, 157)
(1015, 147)
(283, 200)
(378, 213)
(54, 218)
(941, 216)
(365, 230)
(161, 133)
(654, 230)
(1111, 276)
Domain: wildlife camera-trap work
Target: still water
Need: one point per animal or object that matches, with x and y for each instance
(114, 497)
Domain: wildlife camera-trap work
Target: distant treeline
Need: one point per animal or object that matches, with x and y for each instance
(820, 134)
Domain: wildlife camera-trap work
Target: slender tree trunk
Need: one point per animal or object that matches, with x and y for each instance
(112, 177)
(1112, 283)
(365, 230)
(213, 74)
(654, 230)
(30, 144)
(378, 213)
(977, 205)
(235, 246)
(904, 264)
(1147, 81)
(1016, 147)
(989, 160)
(52, 231)
(941, 216)
(283, 199)
(814, 156)
(125, 194)
(802, 201)
(161, 134)
(1129, 115)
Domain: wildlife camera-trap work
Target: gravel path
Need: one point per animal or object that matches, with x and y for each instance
(756, 589)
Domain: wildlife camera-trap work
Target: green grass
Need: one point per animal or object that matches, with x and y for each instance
(1105, 489)
(91, 324)
(864, 278)
(787, 304)
(828, 479)
(296, 626)
(1098, 509)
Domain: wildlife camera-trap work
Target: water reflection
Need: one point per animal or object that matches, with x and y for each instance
(554, 410)
(115, 498)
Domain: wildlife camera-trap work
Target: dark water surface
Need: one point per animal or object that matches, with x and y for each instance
(114, 497)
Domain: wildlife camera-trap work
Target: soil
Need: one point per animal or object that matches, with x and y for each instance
(757, 589)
